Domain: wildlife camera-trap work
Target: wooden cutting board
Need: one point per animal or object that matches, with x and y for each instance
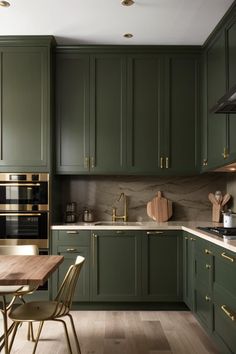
(159, 208)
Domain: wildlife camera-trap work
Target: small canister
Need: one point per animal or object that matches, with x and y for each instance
(229, 219)
(88, 215)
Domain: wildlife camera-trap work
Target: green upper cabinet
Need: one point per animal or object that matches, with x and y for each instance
(107, 114)
(90, 113)
(144, 113)
(25, 105)
(72, 112)
(181, 110)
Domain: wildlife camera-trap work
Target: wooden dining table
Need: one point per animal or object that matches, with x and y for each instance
(31, 270)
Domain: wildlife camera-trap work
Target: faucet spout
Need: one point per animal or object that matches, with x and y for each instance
(123, 217)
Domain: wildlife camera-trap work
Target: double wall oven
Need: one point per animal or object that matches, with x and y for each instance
(24, 208)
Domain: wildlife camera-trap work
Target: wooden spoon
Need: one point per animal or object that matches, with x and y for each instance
(212, 198)
(226, 198)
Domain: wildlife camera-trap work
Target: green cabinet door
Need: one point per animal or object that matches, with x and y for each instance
(116, 266)
(144, 113)
(25, 108)
(70, 244)
(162, 266)
(180, 119)
(107, 113)
(72, 112)
(188, 269)
(217, 145)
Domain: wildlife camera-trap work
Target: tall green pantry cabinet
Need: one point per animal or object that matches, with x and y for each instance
(25, 103)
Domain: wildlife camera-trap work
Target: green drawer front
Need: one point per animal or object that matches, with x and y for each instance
(77, 237)
(203, 306)
(225, 271)
(225, 328)
(203, 272)
(204, 250)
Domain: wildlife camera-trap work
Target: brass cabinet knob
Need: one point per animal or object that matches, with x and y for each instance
(225, 153)
(205, 162)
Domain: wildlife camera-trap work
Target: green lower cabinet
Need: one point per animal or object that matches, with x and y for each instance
(71, 244)
(188, 269)
(162, 265)
(116, 266)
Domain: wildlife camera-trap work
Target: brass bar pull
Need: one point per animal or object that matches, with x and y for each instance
(154, 232)
(208, 266)
(205, 162)
(119, 232)
(192, 239)
(225, 153)
(71, 250)
(207, 251)
(20, 214)
(228, 312)
(86, 162)
(72, 232)
(224, 255)
(161, 162)
(95, 236)
(92, 162)
(167, 162)
(186, 238)
(20, 184)
(207, 298)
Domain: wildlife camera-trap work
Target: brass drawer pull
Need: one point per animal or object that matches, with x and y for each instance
(71, 250)
(207, 251)
(119, 232)
(161, 162)
(72, 232)
(207, 298)
(224, 255)
(228, 312)
(154, 232)
(192, 239)
(86, 162)
(186, 238)
(167, 162)
(208, 266)
(92, 162)
(95, 236)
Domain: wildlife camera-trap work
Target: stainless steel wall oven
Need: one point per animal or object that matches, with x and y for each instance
(24, 208)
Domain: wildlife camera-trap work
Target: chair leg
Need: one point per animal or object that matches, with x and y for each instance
(30, 333)
(74, 331)
(66, 332)
(5, 326)
(38, 335)
(15, 327)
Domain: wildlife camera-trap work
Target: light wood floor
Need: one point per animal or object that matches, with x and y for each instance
(124, 332)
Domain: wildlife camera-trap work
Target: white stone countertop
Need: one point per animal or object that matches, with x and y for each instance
(189, 226)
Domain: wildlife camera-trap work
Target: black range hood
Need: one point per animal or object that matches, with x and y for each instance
(227, 103)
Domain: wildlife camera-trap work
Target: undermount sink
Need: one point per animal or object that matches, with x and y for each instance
(117, 223)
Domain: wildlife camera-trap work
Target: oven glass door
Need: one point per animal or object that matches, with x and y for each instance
(19, 194)
(23, 225)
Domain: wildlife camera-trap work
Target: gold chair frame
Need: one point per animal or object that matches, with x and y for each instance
(51, 310)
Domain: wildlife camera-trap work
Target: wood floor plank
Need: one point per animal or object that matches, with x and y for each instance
(156, 338)
(114, 325)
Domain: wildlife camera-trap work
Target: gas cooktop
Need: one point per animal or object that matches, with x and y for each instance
(228, 233)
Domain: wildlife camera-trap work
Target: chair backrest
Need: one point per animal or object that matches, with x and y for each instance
(19, 250)
(67, 288)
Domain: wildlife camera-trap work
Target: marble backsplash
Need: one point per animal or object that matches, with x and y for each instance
(188, 194)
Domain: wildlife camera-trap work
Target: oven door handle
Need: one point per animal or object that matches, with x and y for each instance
(19, 184)
(20, 214)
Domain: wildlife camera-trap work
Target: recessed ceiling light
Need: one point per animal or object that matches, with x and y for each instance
(128, 35)
(4, 4)
(127, 2)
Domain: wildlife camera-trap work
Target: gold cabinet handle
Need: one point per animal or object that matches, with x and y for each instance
(192, 239)
(205, 162)
(71, 250)
(207, 251)
(186, 238)
(225, 153)
(92, 162)
(154, 233)
(207, 298)
(208, 266)
(95, 236)
(86, 162)
(161, 162)
(72, 232)
(228, 312)
(224, 255)
(167, 162)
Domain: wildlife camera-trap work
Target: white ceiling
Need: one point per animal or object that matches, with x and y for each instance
(154, 22)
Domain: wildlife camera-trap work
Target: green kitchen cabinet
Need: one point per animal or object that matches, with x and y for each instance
(72, 112)
(145, 96)
(203, 293)
(224, 288)
(116, 266)
(162, 266)
(188, 269)
(25, 82)
(181, 114)
(90, 113)
(70, 244)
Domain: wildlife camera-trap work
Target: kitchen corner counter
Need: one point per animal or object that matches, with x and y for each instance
(189, 226)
